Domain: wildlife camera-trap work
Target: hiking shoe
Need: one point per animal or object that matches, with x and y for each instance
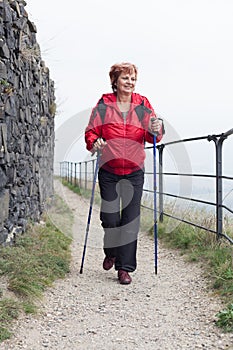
(124, 277)
(108, 263)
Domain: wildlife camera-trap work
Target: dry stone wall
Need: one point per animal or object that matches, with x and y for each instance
(27, 109)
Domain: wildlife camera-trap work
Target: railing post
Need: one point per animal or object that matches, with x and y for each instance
(75, 174)
(60, 169)
(80, 175)
(71, 173)
(63, 170)
(85, 175)
(160, 149)
(219, 188)
(219, 196)
(67, 171)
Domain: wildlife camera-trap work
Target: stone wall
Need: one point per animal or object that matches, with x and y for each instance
(27, 110)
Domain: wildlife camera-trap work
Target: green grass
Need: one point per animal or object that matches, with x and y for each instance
(199, 246)
(86, 193)
(9, 310)
(38, 258)
(196, 245)
(216, 258)
(72, 187)
(225, 318)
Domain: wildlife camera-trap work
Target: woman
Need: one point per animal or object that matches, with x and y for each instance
(119, 126)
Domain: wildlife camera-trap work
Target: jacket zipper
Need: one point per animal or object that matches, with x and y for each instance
(124, 133)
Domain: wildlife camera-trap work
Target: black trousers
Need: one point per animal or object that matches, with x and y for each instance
(120, 216)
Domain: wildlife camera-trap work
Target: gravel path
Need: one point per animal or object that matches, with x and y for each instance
(171, 310)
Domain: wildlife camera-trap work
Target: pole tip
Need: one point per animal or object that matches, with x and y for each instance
(156, 270)
(81, 270)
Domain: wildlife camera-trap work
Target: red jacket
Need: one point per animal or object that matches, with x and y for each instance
(124, 152)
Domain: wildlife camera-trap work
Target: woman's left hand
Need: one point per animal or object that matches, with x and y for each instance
(155, 125)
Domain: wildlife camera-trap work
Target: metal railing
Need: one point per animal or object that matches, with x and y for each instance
(81, 174)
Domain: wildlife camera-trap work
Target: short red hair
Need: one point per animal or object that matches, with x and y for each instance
(118, 68)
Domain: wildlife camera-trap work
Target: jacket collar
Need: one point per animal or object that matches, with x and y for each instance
(111, 99)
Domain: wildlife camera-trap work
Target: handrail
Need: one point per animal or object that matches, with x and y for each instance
(66, 171)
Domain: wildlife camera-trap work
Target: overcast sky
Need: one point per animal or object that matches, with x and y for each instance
(183, 50)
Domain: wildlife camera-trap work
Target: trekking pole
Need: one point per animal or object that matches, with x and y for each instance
(90, 210)
(155, 205)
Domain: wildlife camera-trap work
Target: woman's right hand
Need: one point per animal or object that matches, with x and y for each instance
(99, 144)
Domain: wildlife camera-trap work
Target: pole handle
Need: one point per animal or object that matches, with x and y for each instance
(152, 120)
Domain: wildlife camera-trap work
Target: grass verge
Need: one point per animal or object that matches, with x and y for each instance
(215, 257)
(38, 258)
(86, 193)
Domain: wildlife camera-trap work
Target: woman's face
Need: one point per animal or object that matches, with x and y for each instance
(126, 83)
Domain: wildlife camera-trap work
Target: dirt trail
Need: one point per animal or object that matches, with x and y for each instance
(171, 310)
